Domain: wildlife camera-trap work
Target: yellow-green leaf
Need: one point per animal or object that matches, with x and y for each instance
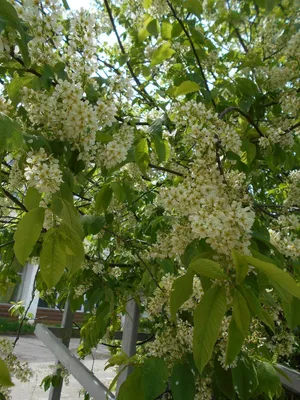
(182, 290)
(5, 379)
(283, 278)
(53, 257)
(208, 317)
(162, 53)
(186, 88)
(208, 268)
(241, 266)
(27, 233)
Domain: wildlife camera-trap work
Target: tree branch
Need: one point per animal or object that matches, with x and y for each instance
(291, 128)
(165, 169)
(7, 244)
(248, 118)
(193, 49)
(142, 90)
(14, 199)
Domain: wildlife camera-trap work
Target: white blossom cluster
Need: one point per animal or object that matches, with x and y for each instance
(16, 175)
(42, 172)
(98, 268)
(291, 103)
(106, 112)
(115, 152)
(45, 19)
(293, 198)
(277, 136)
(204, 128)
(208, 209)
(285, 236)
(292, 48)
(81, 289)
(115, 272)
(19, 370)
(63, 114)
(82, 45)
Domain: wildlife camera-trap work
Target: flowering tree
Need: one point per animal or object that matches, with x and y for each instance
(150, 149)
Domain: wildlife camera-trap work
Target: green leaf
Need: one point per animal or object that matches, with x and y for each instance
(162, 148)
(53, 257)
(27, 233)
(103, 198)
(241, 266)
(119, 191)
(143, 32)
(269, 381)
(241, 313)
(281, 277)
(208, 317)
(154, 377)
(223, 379)
(147, 3)
(70, 216)
(292, 312)
(162, 53)
(92, 224)
(256, 308)
(166, 30)
(182, 290)
(117, 359)
(5, 379)
(186, 88)
(247, 87)
(74, 248)
(141, 155)
(32, 198)
(9, 14)
(182, 382)
(244, 377)
(153, 27)
(16, 85)
(208, 268)
(104, 137)
(10, 134)
(249, 152)
(193, 6)
(132, 388)
(234, 343)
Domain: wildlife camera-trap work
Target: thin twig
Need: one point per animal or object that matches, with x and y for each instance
(193, 49)
(142, 90)
(24, 317)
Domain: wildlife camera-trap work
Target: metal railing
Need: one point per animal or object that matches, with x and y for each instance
(57, 341)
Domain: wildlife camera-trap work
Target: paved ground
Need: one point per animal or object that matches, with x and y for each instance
(40, 359)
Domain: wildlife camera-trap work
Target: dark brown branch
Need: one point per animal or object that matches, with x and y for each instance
(291, 128)
(248, 118)
(7, 244)
(241, 40)
(14, 199)
(193, 49)
(165, 169)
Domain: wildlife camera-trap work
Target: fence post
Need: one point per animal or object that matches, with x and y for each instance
(129, 338)
(66, 325)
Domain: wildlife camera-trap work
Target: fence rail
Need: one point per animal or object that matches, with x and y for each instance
(80, 372)
(290, 378)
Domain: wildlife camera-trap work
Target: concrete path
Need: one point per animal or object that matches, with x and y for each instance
(40, 359)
